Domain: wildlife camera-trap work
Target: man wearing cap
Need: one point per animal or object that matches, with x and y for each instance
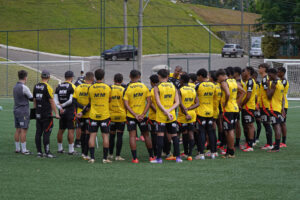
(44, 104)
(63, 98)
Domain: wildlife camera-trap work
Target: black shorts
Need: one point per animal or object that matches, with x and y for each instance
(229, 120)
(83, 124)
(186, 126)
(247, 116)
(44, 126)
(276, 118)
(132, 123)
(66, 123)
(238, 116)
(151, 125)
(169, 128)
(286, 111)
(264, 115)
(117, 126)
(257, 113)
(103, 124)
(206, 122)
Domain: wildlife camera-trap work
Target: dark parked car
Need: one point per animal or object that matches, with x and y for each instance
(120, 52)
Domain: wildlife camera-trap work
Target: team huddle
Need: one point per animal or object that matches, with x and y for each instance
(201, 110)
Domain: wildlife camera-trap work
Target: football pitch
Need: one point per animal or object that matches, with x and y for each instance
(251, 175)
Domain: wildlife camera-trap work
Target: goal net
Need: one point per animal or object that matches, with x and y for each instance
(9, 72)
(292, 75)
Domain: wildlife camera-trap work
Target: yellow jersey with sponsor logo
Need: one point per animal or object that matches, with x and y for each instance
(99, 94)
(152, 113)
(276, 101)
(136, 95)
(167, 92)
(206, 92)
(217, 100)
(116, 106)
(81, 94)
(250, 86)
(188, 96)
(192, 85)
(265, 102)
(258, 102)
(286, 86)
(232, 105)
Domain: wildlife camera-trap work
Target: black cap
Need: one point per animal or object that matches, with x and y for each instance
(69, 74)
(45, 74)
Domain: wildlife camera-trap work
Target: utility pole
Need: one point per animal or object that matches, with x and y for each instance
(242, 22)
(140, 37)
(125, 22)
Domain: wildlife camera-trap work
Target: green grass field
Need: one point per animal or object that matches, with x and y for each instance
(254, 175)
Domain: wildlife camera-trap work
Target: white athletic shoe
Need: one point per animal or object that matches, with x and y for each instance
(110, 156)
(91, 161)
(200, 157)
(119, 158)
(106, 161)
(208, 154)
(213, 156)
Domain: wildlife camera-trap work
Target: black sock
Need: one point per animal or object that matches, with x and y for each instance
(82, 140)
(154, 143)
(160, 143)
(111, 143)
(38, 142)
(119, 143)
(277, 144)
(250, 143)
(283, 139)
(258, 124)
(105, 153)
(202, 140)
(185, 140)
(133, 152)
(150, 151)
(46, 141)
(86, 145)
(268, 133)
(167, 145)
(92, 151)
(191, 147)
(237, 141)
(176, 146)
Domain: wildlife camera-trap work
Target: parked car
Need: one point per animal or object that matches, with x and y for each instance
(232, 50)
(256, 51)
(120, 52)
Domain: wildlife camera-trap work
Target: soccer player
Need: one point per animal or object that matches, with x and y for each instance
(80, 100)
(174, 77)
(187, 115)
(137, 100)
(238, 132)
(232, 94)
(22, 96)
(248, 106)
(206, 92)
(193, 80)
(100, 96)
(80, 79)
(281, 75)
(275, 94)
(44, 104)
(257, 110)
(265, 104)
(167, 101)
(63, 98)
(118, 117)
(152, 112)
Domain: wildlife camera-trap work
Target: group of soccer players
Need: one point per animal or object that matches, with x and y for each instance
(179, 106)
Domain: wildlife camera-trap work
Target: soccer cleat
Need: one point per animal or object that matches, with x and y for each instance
(39, 155)
(110, 156)
(163, 154)
(50, 155)
(183, 155)
(200, 157)
(213, 156)
(248, 149)
(208, 153)
(170, 157)
(152, 158)
(142, 138)
(105, 161)
(27, 152)
(273, 150)
(283, 145)
(61, 151)
(157, 161)
(179, 160)
(135, 161)
(73, 153)
(228, 156)
(86, 158)
(77, 146)
(119, 158)
(190, 158)
(267, 147)
(244, 146)
(91, 161)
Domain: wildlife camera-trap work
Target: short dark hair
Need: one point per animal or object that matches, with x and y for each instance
(154, 78)
(264, 65)
(255, 74)
(134, 73)
(89, 76)
(163, 73)
(185, 78)
(272, 71)
(282, 69)
(220, 72)
(213, 75)
(193, 77)
(251, 70)
(237, 70)
(22, 74)
(118, 78)
(202, 72)
(229, 71)
(99, 74)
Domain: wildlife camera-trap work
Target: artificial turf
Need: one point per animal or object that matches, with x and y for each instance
(251, 175)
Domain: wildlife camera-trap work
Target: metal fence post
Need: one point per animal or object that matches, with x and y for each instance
(209, 60)
(168, 48)
(38, 56)
(6, 64)
(249, 33)
(133, 51)
(69, 48)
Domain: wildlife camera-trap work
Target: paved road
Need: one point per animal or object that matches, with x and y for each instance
(124, 67)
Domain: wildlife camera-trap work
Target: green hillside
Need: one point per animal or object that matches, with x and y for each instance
(53, 14)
